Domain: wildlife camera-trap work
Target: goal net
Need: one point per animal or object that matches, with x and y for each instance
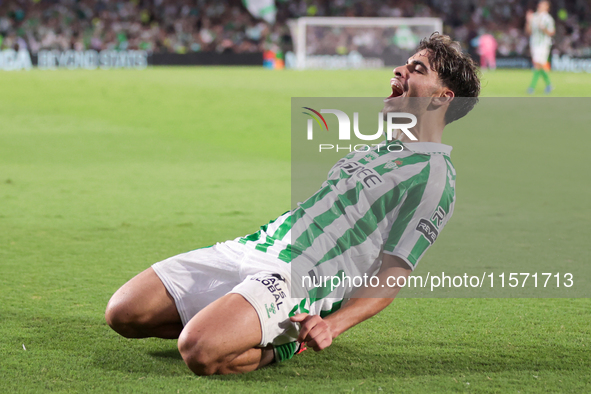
(341, 42)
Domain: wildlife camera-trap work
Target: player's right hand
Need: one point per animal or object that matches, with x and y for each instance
(314, 331)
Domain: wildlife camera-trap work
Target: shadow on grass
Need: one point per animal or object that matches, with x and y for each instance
(172, 353)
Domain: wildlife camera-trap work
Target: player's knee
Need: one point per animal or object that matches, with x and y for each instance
(199, 356)
(121, 319)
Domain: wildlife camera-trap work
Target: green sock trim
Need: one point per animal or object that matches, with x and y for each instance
(545, 76)
(285, 351)
(534, 80)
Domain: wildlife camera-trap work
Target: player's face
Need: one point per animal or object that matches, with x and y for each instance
(414, 79)
(543, 6)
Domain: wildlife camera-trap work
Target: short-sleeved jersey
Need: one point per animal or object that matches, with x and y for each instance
(379, 201)
(539, 39)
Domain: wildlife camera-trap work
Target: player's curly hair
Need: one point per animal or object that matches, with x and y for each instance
(456, 71)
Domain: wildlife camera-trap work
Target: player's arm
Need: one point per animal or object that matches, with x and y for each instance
(318, 333)
(528, 18)
(549, 31)
(547, 26)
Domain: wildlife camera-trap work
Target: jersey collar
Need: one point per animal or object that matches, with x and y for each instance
(431, 148)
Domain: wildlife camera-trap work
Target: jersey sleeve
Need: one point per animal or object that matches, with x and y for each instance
(550, 24)
(422, 215)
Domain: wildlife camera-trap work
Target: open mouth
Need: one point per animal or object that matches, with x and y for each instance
(397, 89)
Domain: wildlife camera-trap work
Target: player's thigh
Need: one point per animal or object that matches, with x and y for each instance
(223, 330)
(142, 300)
(255, 313)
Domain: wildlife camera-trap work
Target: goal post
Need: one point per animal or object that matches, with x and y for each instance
(357, 42)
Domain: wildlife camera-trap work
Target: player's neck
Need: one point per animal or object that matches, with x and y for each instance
(422, 138)
(429, 128)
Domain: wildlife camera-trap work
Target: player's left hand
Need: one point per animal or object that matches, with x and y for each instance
(314, 330)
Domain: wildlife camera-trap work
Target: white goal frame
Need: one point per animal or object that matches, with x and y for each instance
(300, 24)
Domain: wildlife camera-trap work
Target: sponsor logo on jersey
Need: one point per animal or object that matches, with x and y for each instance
(367, 176)
(272, 283)
(430, 228)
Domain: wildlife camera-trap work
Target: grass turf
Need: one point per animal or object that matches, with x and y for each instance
(104, 172)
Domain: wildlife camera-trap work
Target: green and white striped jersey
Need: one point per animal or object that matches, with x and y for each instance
(373, 202)
(539, 39)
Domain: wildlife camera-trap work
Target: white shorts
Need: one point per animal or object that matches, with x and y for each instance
(540, 54)
(197, 278)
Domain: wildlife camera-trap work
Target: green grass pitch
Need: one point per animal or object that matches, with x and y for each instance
(103, 173)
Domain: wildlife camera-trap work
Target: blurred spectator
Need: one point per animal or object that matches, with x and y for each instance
(153, 25)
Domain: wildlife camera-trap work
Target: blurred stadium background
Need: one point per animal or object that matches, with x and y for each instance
(203, 30)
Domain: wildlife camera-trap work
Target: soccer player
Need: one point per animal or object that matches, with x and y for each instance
(233, 306)
(540, 27)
